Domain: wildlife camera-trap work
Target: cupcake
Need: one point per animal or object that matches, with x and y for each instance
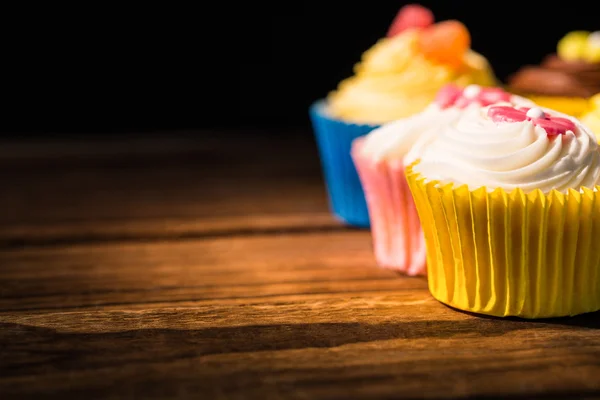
(380, 158)
(565, 80)
(509, 204)
(592, 117)
(398, 77)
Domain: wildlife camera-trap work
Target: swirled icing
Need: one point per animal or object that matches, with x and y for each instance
(395, 80)
(479, 150)
(405, 138)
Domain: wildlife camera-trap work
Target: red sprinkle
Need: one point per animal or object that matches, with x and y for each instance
(552, 125)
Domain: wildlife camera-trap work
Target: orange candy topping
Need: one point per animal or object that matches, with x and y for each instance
(445, 42)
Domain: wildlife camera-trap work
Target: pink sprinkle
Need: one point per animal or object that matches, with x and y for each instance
(506, 114)
(448, 95)
(552, 125)
(452, 95)
(493, 95)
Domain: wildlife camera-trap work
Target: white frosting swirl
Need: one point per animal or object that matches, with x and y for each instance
(395, 139)
(476, 151)
(405, 138)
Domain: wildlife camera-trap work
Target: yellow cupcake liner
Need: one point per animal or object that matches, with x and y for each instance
(530, 255)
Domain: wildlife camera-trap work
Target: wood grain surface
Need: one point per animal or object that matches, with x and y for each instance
(207, 266)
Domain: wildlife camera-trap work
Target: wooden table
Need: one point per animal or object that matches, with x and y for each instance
(208, 266)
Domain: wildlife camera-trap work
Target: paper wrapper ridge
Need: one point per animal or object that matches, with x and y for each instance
(531, 255)
(398, 241)
(334, 139)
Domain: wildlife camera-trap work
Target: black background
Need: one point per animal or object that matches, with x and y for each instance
(226, 65)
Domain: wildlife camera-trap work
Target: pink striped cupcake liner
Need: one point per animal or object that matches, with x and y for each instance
(398, 241)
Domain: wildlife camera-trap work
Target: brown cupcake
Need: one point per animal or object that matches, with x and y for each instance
(566, 79)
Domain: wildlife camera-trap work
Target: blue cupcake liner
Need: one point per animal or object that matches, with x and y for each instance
(334, 139)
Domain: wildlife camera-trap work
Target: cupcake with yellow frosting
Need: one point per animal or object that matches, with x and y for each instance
(563, 81)
(509, 203)
(592, 117)
(396, 78)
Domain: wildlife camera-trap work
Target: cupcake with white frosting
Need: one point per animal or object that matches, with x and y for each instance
(380, 158)
(508, 200)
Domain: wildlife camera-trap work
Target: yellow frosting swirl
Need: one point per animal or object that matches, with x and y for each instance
(592, 117)
(394, 80)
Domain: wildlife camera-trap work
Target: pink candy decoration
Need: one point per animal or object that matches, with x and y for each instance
(411, 16)
(447, 96)
(552, 125)
(452, 95)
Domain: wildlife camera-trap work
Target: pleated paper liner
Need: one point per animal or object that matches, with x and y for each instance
(398, 241)
(334, 139)
(530, 255)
